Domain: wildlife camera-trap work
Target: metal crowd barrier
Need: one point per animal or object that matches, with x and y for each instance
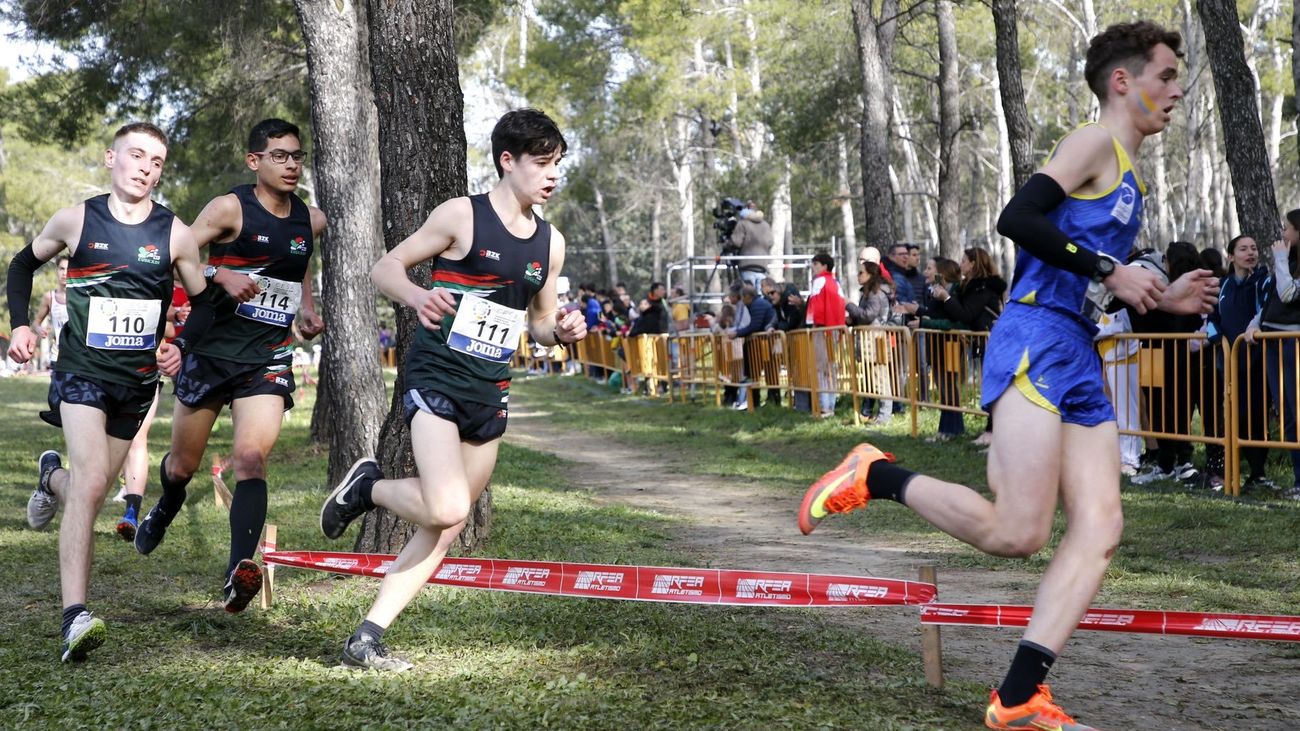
(1166, 386)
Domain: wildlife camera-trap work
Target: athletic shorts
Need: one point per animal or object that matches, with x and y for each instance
(203, 379)
(125, 406)
(1050, 358)
(476, 422)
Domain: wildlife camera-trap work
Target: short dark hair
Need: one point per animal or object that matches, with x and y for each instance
(525, 132)
(895, 247)
(147, 128)
(1128, 45)
(825, 260)
(270, 129)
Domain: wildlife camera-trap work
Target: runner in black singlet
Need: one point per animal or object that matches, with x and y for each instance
(123, 250)
(262, 238)
(495, 264)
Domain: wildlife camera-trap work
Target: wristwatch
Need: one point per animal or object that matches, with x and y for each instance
(1104, 268)
(210, 273)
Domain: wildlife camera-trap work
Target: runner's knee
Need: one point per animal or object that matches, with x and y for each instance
(1020, 541)
(181, 467)
(250, 463)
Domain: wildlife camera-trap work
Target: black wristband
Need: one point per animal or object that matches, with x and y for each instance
(1025, 221)
(18, 288)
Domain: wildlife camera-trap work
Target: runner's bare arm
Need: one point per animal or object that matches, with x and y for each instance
(220, 222)
(185, 264)
(447, 230)
(42, 312)
(309, 322)
(543, 323)
(62, 231)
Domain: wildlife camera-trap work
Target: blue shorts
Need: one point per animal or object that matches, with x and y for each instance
(1050, 358)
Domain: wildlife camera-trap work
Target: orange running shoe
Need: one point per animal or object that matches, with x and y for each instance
(1038, 713)
(840, 490)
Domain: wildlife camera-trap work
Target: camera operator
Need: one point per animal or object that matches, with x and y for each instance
(752, 237)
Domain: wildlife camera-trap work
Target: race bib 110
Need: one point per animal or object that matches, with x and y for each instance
(119, 323)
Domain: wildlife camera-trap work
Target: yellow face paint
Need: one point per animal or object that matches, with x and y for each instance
(1147, 101)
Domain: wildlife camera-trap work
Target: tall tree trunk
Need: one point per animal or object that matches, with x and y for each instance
(606, 241)
(350, 396)
(1295, 58)
(919, 186)
(1243, 134)
(845, 200)
(422, 157)
(656, 236)
(782, 222)
(875, 60)
(1020, 136)
(949, 131)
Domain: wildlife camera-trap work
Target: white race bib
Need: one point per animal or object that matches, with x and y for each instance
(276, 304)
(485, 329)
(118, 323)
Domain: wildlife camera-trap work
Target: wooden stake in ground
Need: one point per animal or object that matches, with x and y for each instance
(931, 647)
(220, 492)
(268, 570)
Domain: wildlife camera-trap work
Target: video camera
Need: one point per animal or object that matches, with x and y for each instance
(725, 216)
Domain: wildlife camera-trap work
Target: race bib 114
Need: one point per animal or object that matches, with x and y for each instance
(276, 304)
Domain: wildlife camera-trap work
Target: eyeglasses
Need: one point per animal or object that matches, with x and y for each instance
(280, 157)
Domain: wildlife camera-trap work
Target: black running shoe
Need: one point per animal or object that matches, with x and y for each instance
(344, 504)
(151, 530)
(242, 585)
(369, 653)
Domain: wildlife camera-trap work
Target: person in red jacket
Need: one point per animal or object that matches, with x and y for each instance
(825, 309)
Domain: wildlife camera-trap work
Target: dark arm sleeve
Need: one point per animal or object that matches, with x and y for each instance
(1025, 222)
(202, 314)
(18, 288)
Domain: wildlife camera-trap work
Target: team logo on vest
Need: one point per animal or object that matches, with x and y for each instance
(1124, 203)
(149, 254)
(487, 254)
(298, 245)
(534, 272)
(99, 246)
(262, 239)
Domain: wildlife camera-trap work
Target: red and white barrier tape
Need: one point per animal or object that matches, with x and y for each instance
(638, 583)
(1196, 624)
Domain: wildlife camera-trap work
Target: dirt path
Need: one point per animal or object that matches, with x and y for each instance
(1115, 681)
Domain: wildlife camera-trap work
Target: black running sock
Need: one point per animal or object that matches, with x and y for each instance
(888, 481)
(364, 491)
(133, 502)
(369, 629)
(173, 491)
(1028, 669)
(69, 614)
(247, 516)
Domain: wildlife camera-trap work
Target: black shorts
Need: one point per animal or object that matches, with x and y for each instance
(125, 406)
(476, 422)
(203, 379)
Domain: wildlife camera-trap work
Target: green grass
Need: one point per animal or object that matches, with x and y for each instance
(1181, 550)
(485, 660)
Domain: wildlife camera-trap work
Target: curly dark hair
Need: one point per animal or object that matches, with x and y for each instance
(1128, 45)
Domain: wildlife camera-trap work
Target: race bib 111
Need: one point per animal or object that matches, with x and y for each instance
(485, 329)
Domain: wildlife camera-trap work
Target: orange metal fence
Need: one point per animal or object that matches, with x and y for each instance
(1171, 387)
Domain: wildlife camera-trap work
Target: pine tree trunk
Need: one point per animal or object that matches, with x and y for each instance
(1295, 57)
(1243, 133)
(606, 241)
(422, 157)
(1020, 135)
(350, 394)
(949, 131)
(875, 58)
